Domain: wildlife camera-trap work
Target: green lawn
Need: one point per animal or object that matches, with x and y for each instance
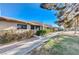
(63, 45)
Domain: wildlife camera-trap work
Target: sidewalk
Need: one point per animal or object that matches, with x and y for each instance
(24, 47)
(14, 45)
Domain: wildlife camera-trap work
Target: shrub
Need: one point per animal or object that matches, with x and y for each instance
(10, 36)
(47, 30)
(41, 32)
(29, 33)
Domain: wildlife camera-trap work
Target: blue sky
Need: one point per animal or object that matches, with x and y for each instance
(28, 12)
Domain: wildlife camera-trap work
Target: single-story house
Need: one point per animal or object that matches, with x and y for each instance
(9, 23)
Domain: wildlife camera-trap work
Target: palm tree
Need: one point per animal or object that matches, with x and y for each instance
(59, 7)
(50, 6)
(76, 23)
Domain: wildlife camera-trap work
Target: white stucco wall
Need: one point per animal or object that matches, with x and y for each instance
(10, 25)
(7, 25)
(28, 26)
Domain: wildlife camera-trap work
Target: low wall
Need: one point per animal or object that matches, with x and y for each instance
(72, 33)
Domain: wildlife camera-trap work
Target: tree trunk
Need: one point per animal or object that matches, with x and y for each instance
(76, 24)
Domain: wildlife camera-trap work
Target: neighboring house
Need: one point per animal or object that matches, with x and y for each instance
(8, 23)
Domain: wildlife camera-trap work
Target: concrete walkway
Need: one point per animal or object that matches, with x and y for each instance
(22, 48)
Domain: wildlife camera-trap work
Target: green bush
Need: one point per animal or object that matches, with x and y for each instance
(41, 32)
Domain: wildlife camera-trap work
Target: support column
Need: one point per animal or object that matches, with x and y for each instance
(28, 27)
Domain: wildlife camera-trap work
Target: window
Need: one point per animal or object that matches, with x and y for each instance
(21, 26)
(37, 27)
(32, 27)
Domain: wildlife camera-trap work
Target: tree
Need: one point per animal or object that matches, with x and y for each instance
(56, 6)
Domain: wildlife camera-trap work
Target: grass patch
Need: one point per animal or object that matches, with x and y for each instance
(63, 45)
